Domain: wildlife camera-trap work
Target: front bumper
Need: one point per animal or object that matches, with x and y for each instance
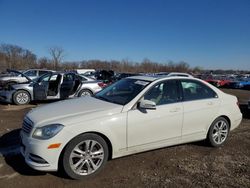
(6, 96)
(37, 155)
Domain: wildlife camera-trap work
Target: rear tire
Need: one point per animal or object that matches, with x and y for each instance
(21, 97)
(218, 132)
(84, 93)
(85, 156)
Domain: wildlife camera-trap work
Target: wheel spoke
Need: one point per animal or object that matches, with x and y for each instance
(78, 150)
(215, 136)
(76, 155)
(93, 164)
(80, 167)
(219, 139)
(93, 143)
(224, 125)
(88, 144)
(97, 154)
(224, 134)
(78, 163)
(216, 127)
(89, 170)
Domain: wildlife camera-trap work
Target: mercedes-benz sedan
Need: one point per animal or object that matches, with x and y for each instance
(133, 115)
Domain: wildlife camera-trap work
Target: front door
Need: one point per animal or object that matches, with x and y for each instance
(40, 88)
(160, 127)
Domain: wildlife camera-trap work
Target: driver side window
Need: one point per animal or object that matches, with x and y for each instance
(163, 93)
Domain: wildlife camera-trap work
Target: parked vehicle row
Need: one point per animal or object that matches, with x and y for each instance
(227, 81)
(20, 87)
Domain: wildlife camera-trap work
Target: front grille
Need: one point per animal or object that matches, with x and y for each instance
(27, 125)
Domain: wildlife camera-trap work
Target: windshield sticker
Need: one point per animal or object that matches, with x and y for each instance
(143, 83)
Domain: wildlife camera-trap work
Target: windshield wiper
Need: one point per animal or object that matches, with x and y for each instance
(102, 98)
(105, 99)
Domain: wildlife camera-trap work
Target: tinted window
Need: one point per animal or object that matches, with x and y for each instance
(30, 73)
(68, 77)
(163, 93)
(42, 73)
(44, 78)
(194, 90)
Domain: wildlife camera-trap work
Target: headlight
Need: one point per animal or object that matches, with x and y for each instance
(47, 131)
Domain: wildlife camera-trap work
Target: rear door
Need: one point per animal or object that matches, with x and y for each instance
(201, 105)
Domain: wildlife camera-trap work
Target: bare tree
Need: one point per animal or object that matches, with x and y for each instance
(57, 54)
(16, 57)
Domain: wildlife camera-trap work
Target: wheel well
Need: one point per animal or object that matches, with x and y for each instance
(12, 81)
(110, 148)
(223, 116)
(228, 120)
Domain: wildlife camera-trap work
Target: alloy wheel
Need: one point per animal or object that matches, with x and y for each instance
(86, 157)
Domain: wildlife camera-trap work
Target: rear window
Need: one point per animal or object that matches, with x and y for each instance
(194, 90)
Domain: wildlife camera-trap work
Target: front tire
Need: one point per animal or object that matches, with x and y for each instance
(21, 97)
(218, 132)
(85, 156)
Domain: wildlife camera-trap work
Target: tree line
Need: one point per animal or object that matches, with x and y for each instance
(18, 58)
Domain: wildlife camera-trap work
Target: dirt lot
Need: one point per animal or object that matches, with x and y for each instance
(189, 165)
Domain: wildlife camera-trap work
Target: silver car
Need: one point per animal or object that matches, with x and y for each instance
(15, 77)
(53, 85)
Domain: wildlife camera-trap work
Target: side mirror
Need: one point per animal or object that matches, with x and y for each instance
(147, 104)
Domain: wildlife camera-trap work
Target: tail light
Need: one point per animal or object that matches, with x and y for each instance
(102, 85)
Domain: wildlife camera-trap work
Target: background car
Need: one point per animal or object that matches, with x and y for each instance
(53, 85)
(15, 77)
(119, 76)
(132, 115)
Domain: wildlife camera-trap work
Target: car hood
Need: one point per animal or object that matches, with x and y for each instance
(19, 73)
(72, 110)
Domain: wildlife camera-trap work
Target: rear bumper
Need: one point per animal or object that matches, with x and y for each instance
(236, 121)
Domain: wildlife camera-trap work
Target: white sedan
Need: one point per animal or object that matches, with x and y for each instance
(133, 115)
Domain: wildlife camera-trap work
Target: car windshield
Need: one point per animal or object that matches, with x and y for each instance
(123, 91)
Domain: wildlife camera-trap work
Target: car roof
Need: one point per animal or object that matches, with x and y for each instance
(146, 78)
(153, 78)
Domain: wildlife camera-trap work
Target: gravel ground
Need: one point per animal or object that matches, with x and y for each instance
(188, 165)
